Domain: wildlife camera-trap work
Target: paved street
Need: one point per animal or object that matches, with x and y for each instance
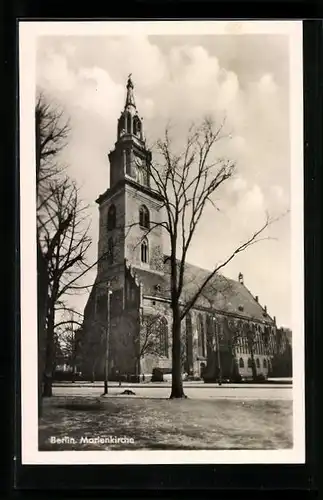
(193, 391)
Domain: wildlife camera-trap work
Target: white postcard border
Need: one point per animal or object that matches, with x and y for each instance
(28, 33)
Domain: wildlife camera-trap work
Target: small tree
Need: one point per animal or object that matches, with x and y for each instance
(235, 334)
(251, 342)
(70, 343)
(153, 337)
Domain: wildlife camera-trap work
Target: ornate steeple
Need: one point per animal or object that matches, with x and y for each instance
(129, 123)
(130, 158)
(130, 99)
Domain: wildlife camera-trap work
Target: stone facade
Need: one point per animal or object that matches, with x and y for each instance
(226, 329)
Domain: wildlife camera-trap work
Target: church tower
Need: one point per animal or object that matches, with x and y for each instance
(130, 209)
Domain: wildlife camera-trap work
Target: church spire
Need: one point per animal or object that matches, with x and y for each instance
(130, 99)
(129, 122)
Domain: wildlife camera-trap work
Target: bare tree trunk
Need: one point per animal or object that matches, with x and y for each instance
(138, 369)
(50, 347)
(42, 293)
(253, 365)
(177, 382)
(93, 372)
(73, 373)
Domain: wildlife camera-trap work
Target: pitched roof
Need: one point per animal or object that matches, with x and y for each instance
(221, 293)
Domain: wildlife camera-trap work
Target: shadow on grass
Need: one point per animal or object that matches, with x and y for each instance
(80, 407)
(164, 424)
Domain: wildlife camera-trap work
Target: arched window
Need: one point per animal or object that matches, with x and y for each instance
(163, 336)
(188, 344)
(111, 217)
(128, 161)
(257, 363)
(129, 123)
(249, 363)
(265, 363)
(201, 336)
(121, 126)
(110, 255)
(241, 363)
(136, 126)
(144, 217)
(144, 251)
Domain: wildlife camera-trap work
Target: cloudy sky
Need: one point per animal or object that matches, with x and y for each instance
(182, 78)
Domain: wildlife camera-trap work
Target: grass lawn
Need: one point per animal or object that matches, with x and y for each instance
(166, 424)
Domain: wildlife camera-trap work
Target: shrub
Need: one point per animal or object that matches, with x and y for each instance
(260, 378)
(64, 376)
(236, 378)
(157, 375)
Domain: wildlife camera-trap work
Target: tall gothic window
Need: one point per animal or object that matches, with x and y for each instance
(144, 217)
(136, 126)
(121, 126)
(128, 161)
(144, 251)
(188, 344)
(112, 217)
(163, 336)
(201, 333)
(129, 123)
(142, 175)
(110, 251)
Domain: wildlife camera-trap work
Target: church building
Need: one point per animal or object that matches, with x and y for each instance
(128, 317)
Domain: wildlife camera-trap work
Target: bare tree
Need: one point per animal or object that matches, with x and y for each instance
(62, 232)
(235, 332)
(65, 241)
(69, 339)
(76, 345)
(152, 338)
(187, 182)
(50, 137)
(251, 342)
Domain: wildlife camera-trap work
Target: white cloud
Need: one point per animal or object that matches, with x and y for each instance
(253, 200)
(237, 185)
(54, 73)
(277, 192)
(98, 93)
(228, 89)
(183, 83)
(267, 84)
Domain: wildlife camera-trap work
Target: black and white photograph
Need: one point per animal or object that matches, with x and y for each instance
(161, 227)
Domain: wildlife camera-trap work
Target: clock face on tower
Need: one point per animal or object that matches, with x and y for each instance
(138, 161)
(141, 173)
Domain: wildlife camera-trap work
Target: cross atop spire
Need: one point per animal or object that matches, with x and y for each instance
(130, 99)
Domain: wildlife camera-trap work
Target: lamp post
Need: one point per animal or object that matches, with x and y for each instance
(107, 339)
(216, 331)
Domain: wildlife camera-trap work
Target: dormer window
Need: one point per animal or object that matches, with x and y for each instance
(144, 217)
